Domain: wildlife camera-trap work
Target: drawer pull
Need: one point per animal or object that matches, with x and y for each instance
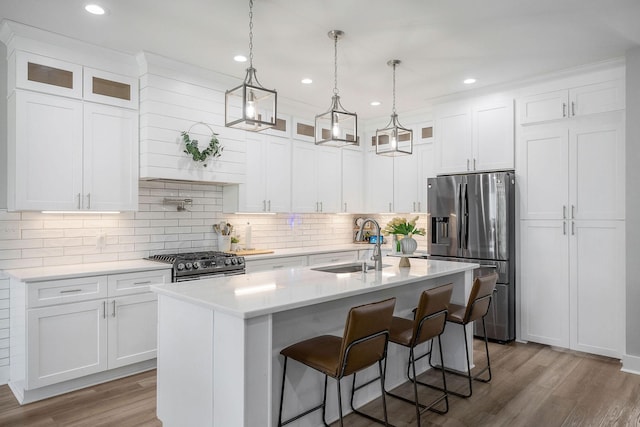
(69, 291)
(113, 308)
(148, 282)
(275, 267)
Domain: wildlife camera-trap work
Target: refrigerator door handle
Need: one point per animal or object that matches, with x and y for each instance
(460, 216)
(466, 217)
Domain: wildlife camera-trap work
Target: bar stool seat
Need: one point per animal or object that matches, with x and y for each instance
(363, 344)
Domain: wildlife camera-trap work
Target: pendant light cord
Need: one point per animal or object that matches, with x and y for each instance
(394, 88)
(250, 33)
(335, 64)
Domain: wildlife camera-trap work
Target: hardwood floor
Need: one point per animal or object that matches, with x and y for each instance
(533, 385)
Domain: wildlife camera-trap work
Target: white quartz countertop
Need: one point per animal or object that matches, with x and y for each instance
(38, 274)
(312, 250)
(267, 292)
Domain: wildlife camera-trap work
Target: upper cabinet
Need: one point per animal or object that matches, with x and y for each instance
(352, 181)
(577, 101)
(474, 135)
(72, 131)
(316, 178)
(267, 186)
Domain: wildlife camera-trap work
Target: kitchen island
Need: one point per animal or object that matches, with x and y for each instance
(219, 339)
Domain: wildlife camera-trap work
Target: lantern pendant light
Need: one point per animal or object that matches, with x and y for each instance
(394, 139)
(250, 106)
(336, 127)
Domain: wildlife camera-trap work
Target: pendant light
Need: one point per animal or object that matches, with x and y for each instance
(250, 106)
(394, 139)
(337, 127)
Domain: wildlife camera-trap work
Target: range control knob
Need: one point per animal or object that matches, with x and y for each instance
(189, 266)
(196, 265)
(234, 261)
(180, 266)
(240, 261)
(227, 261)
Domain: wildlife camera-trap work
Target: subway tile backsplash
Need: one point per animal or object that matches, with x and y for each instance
(59, 239)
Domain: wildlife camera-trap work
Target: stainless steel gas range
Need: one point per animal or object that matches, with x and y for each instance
(200, 265)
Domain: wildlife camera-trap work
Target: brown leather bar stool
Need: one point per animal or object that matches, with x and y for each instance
(364, 342)
(428, 323)
(477, 308)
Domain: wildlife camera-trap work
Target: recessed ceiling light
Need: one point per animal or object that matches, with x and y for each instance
(240, 58)
(469, 81)
(306, 81)
(95, 9)
(374, 103)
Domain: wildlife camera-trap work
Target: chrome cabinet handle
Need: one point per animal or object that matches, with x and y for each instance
(69, 291)
(345, 206)
(88, 200)
(564, 228)
(419, 207)
(474, 164)
(79, 200)
(573, 108)
(269, 206)
(467, 164)
(276, 267)
(321, 209)
(564, 212)
(564, 109)
(104, 309)
(573, 211)
(414, 206)
(573, 228)
(389, 206)
(264, 206)
(113, 308)
(148, 282)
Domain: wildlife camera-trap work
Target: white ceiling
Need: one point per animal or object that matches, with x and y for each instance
(440, 42)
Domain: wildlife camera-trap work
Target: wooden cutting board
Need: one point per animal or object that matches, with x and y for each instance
(245, 252)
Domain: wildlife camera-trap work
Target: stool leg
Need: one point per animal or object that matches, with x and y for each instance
(466, 347)
(339, 401)
(444, 379)
(384, 399)
(284, 372)
(486, 349)
(412, 361)
(324, 402)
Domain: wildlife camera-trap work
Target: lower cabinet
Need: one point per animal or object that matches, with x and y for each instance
(573, 284)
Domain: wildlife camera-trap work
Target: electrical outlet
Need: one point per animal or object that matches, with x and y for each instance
(101, 240)
(9, 230)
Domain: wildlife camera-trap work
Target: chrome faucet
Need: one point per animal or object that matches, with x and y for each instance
(377, 253)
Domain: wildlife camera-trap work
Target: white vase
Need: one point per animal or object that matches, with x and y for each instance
(408, 245)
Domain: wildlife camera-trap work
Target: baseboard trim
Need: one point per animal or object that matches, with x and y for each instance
(631, 364)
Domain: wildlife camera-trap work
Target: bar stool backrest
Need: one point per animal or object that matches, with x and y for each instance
(480, 297)
(431, 314)
(366, 333)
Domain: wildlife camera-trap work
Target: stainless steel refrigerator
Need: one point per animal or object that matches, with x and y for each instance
(472, 219)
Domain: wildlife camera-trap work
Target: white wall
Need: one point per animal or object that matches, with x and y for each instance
(3, 124)
(633, 202)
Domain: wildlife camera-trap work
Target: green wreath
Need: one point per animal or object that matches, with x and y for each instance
(191, 146)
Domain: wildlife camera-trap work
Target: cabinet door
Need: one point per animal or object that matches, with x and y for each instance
(453, 139)
(278, 175)
(426, 170)
(304, 197)
(597, 168)
(405, 183)
(597, 287)
(108, 88)
(597, 98)
(379, 183)
(543, 173)
(493, 135)
(65, 342)
(352, 181)
(132, 329)
(543, 107)
(44, 74)
(544, 281)
(329, 179)
(47, 172)
(110, 158)
(252, 194)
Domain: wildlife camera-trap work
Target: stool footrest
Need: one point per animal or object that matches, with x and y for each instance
(307, 412)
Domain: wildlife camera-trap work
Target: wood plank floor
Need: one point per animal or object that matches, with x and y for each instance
(533, 385)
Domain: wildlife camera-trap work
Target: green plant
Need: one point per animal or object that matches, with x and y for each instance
(402, 226)
(234, 239)
(191, 147)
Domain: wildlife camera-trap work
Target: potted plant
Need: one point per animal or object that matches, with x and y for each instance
(404, 230)
(234, 243)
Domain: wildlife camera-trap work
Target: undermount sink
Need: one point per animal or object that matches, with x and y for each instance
(346, 268)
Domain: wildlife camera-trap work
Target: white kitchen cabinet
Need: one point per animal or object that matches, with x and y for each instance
(575, 171)
(316, 178)
(572, 281)
(132, 329)
(578, 101)
(267, 186)
(71, 155)
(65, 341)
(475, 135)
(379, 185)
(109, 88)
(352, 181)
(255, 265)
(44, 74)
(410, 174)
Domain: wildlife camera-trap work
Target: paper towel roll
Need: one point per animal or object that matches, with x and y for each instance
(247, 236)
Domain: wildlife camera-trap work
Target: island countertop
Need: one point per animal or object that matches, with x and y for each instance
(256, 294)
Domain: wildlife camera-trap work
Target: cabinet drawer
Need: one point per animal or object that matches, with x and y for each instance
(49, 75)
(333, 258)
(135, 283)
(40, 294)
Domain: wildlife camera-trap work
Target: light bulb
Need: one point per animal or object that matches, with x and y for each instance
(250, 111)
(393, 142)
(336, 126)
